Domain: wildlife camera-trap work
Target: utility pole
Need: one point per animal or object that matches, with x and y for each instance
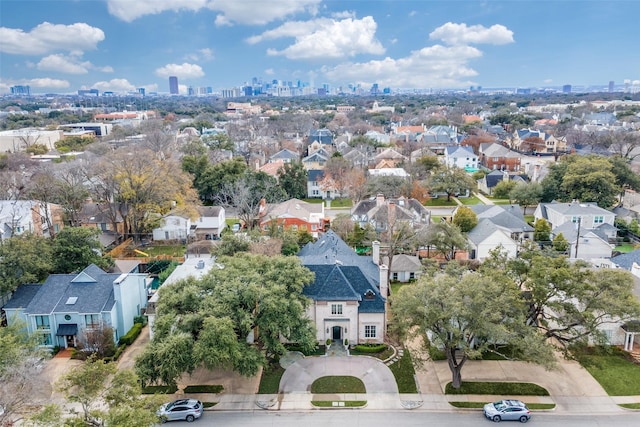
(578, 238)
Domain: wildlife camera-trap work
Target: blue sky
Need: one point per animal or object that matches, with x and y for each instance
(119, 45)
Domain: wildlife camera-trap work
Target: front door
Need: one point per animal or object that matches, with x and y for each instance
(337, 333)
(71, 342)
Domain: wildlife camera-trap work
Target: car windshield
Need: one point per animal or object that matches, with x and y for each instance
(500, 406)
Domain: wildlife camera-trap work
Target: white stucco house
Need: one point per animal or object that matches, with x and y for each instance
(349, 292)
(457, 156)
(487, 236)
(66, 304)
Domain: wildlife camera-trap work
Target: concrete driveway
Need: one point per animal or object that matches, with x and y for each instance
(375, 375)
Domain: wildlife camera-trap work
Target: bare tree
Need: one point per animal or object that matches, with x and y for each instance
(97, 340)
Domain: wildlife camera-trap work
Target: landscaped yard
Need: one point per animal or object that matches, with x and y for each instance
(440, 201)
(270, 381)
(625, 248)
(405, 374)
(613, 369)
(472, 200)
(497, 388)
(338, 384)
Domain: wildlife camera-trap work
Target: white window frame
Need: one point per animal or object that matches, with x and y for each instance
(43, 323)
(336, 309)
(370, 331)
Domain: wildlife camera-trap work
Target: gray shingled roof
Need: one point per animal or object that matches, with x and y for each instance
(340, 274)
(22, 296)
(480, 232)
(626, 260)
(575, 208)
(402, 262)
(92, 288)
(504, 216)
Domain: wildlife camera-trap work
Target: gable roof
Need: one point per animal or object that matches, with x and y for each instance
(458, 151)
(494, 178)
(508, 217)
(482, 231)
(627, 260)
(403, 262)
(573, 208)
(22, 296)
(294, 208)
(285, 154)
(90, 291)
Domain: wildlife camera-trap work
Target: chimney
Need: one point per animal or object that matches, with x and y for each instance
(392, 214)
(375, 252)
(384, 281)
(379, 199)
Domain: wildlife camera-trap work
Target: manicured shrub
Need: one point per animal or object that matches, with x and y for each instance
(370, 348)
(131, 336)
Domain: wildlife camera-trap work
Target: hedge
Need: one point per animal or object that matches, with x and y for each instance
(131, 336)
(370, 348)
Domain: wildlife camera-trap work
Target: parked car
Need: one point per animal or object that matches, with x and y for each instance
(511, 410)
(183, 409)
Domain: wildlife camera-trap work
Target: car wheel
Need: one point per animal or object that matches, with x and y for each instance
(190, 418)
(524, 419)
(496, 418)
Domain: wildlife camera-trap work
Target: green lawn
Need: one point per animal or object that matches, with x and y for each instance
(500, 388)
(630, 405)
(612, 369)
(405, 374)
(337, 384)
(270, 380)
(395, 286)
(341, 203)
(625, 247)
(171, 250)
(440, 201)
(471, 200)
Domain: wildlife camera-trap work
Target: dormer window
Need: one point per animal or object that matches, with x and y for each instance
(369, 294)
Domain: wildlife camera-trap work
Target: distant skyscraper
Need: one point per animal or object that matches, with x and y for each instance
(612, 86)
(173, 85)
(141, 91)
(566, 89)
(20, 90)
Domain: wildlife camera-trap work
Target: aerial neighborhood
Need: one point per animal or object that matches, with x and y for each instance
(200, 249)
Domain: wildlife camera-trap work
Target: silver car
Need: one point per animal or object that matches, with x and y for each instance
(512, 410)
(183, 409)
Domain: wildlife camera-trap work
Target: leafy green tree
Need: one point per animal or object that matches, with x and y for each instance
(502, 190)
(219, 141)
(75, 248)
(293, 180)
(541, 230)
(107, 397)
(590, 179)
(463, 315)
(625, 176)
(445, 238)
(231, 244)
(465, 218)
(526, 194)
(24, 259)
(21, 364)
(560, 243)
(452, 181)
(209, 321)
(568, 302)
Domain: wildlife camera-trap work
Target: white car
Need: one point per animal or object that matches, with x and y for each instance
(512, 410)
(183, 409)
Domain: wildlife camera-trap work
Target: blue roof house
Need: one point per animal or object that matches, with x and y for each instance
(349, 292)
(65, 305)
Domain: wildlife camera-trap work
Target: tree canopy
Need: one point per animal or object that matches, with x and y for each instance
(212, 321)
(466, 315)
(465, 218)
(451, 181)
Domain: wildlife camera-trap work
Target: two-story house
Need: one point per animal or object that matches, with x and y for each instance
(349, 292)
(498, 157)
(210, 223)
(381, 212)
(29, 216)
(460, 157)
(173, 227)
(296, 215)
(59, 309)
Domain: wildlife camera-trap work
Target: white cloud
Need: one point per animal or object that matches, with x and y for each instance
(269, 72)
(114, 85)
(460, 34)
(184, 71)
(344, 15)
(205, 54)
(325, 38)
(48, 83)
(47, 37)
(105, 69)
(430, 67)
(63, 64)
(230, 11)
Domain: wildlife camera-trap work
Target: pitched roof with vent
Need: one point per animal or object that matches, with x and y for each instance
(575, 208)
(92, 289)
(403, 262)
(505, 216)
(329, 255)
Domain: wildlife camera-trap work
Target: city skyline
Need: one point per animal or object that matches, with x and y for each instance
(62, 46)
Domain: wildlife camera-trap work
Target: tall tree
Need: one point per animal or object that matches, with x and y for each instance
(445, 238)
(541, 230)
(336, 170)
(24, 259)
(293, 180)
(146, 188)
(567, 301)
(107, 397)
(463, 315)
(75, 248)
(210, 321)
(526, 194)
(21, 362)
(465, 218)
(451, 181)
